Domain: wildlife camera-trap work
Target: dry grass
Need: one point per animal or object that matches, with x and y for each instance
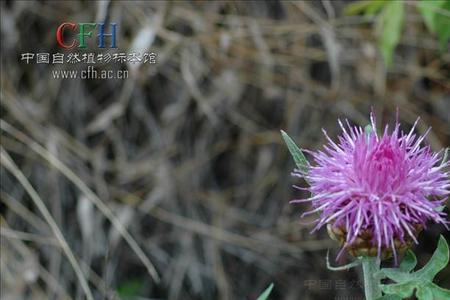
(177, 177)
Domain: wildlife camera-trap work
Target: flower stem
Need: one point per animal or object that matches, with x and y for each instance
(371, 265)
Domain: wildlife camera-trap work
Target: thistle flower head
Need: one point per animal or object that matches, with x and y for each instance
(376, 192)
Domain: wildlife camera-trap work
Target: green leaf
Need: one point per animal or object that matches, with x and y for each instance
(420, 281)
(438, 292)
(344, 267)
(389, 297)
(438, 261)
(297, 155)
(400, 274)
(266, 293)
(435, 18)
(397, 275)
(390, 26)
(428, 11)
(369, 8)
(403, 290)
(374, 8)
(130, 288)
(424, 293)
(356, 7)
(409, 262)
(444, 32)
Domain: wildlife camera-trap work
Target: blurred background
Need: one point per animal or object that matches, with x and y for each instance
(174, 183)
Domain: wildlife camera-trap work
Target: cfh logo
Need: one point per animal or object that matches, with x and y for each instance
(85, 30)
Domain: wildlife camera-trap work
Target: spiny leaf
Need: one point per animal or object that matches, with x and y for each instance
(299, 158)
(266, 293)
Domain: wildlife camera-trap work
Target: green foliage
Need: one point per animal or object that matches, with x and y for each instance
(266, 293)
(390, 29)
(436, 15)
(390, 16)
(389, 297)
(409, 262)
(346, 267)
(421, 281)
(388, 23)
(300, 159)
(369, 8)
(130, 289)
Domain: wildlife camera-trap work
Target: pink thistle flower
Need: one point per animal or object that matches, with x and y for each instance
(375, 193)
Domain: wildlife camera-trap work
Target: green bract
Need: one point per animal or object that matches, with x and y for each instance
(300, 160)
(266, 293)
